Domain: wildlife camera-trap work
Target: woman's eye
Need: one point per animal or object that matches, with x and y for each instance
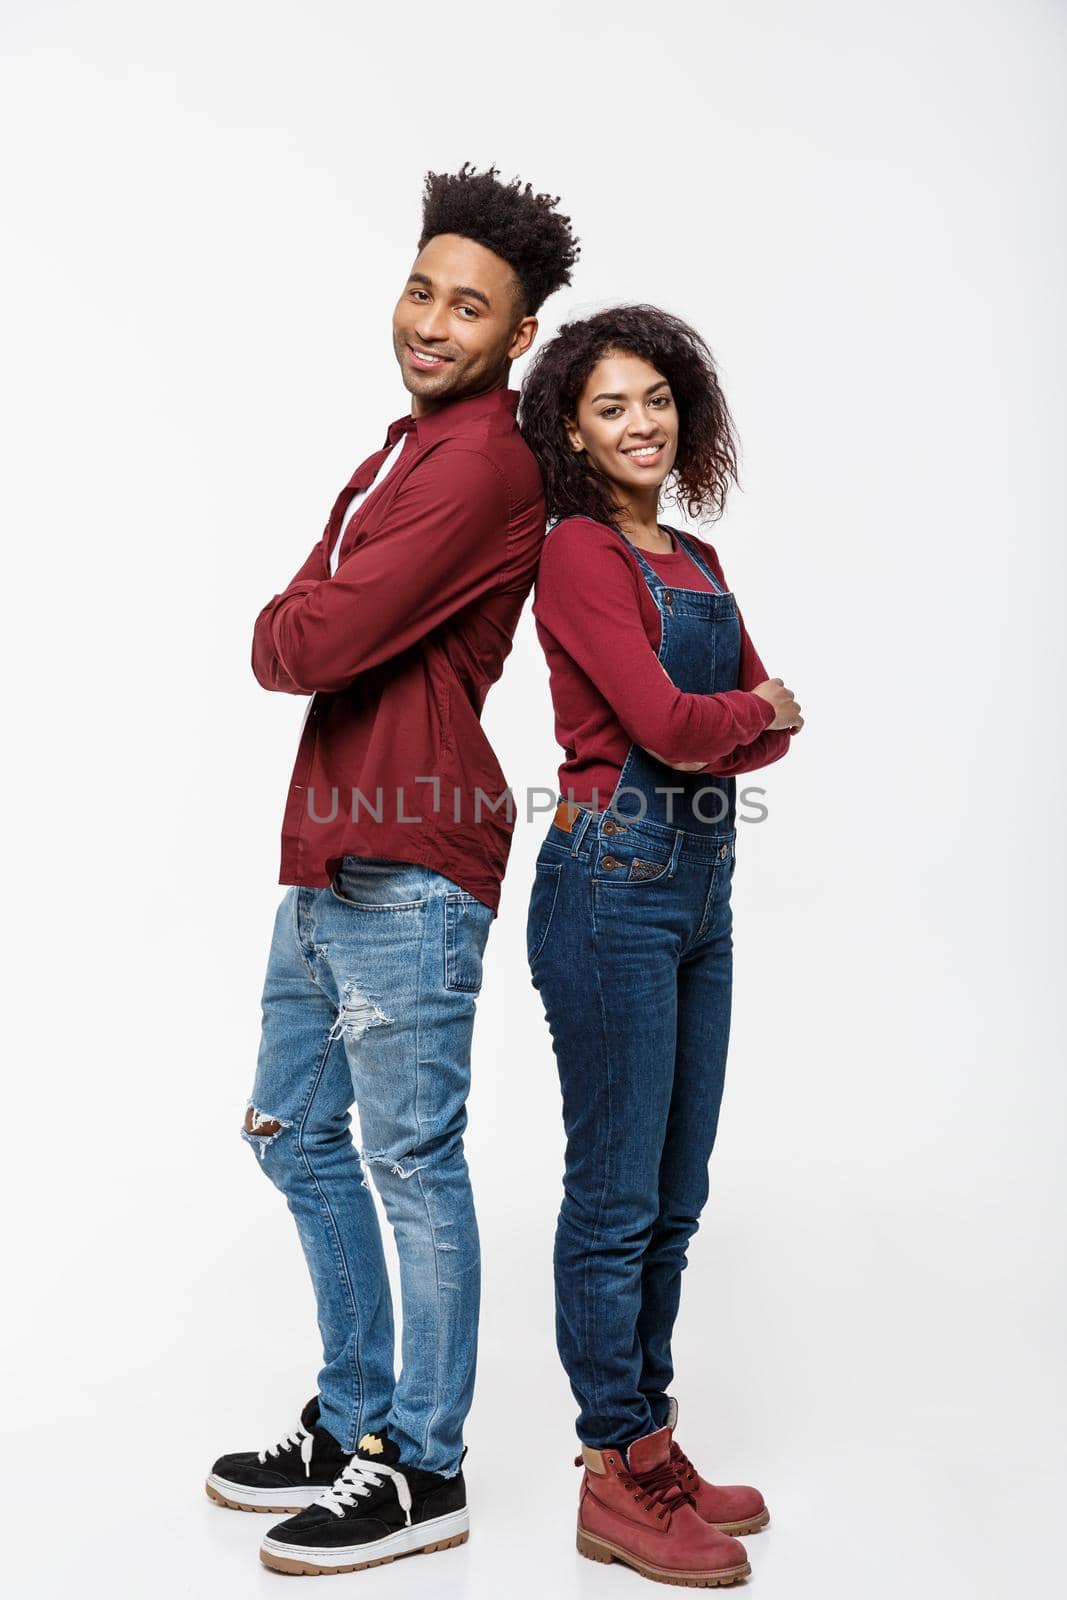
(661, 400)
(609, 411)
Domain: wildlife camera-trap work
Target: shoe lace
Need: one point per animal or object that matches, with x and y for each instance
(298, 1437)
(682, 1463)
(659, 1490)
(358, 1479)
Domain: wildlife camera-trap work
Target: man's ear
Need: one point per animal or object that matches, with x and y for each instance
(577, 443)
(522, 338)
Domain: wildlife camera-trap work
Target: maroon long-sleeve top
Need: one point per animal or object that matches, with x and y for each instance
(399, 647)
(600, 630)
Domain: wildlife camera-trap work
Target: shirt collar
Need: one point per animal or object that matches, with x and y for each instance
(455, 418)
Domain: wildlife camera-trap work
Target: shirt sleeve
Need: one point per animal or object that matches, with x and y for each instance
(266, 666)
(443, 546)
(587, 599)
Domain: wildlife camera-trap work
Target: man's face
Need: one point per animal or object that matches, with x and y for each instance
(458, 323)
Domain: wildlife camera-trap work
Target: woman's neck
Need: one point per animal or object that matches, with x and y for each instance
(638, 523)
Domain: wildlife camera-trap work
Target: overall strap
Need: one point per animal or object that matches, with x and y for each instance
(698, 560)
(652, 577)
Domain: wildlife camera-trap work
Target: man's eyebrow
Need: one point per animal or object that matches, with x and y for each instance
(662, 384)
(462, 291)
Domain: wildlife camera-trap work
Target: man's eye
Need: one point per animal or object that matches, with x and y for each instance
(469, 309)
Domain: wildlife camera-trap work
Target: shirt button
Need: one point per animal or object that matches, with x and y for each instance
(609, 863)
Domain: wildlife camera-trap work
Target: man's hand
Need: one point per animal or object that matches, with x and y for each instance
(786, 708)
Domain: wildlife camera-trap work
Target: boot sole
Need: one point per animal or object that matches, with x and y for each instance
(441, 1533)
(238, 1497)
(746, 1525)
(595, 1549)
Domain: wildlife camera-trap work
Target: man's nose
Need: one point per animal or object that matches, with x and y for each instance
(431, 323)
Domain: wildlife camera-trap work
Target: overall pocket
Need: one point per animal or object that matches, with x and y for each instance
(543, 893)
(624, 863)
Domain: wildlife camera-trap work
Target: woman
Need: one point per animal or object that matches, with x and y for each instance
(660, 700)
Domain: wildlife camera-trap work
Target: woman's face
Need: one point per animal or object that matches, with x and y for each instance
(627, 422)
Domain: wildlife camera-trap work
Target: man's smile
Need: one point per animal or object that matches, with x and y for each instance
(426, 359)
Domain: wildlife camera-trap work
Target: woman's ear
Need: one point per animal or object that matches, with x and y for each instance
(573, 435)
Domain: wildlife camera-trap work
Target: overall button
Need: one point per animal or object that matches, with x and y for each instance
(724, 851)
(609, 863)
(613, 827)
(668, 597)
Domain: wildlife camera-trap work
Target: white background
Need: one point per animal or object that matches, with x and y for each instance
(209, 210)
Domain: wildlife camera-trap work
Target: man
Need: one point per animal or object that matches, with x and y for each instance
(394, 843)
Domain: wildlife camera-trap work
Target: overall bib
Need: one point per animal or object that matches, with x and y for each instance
(629, 939)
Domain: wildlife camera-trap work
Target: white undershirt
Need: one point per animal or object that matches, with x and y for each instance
(358, 499)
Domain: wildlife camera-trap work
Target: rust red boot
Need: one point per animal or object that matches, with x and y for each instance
(732, 1508)
(632, 1508)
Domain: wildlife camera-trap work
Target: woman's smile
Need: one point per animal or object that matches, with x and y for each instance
(646, 455)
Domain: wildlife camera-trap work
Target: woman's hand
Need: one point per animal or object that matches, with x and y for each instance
(786, 708)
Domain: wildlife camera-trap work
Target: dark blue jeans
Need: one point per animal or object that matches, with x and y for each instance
(629, 938)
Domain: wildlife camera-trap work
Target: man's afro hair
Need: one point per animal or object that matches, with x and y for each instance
(521, 227)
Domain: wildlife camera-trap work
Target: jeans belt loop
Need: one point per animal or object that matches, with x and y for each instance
(578, 830)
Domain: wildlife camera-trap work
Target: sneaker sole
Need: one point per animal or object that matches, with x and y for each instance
(440, 1533)
(595, 1549)
(240, 1497)
(746, 1525)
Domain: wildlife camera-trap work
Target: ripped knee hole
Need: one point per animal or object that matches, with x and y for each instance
(259, 1125)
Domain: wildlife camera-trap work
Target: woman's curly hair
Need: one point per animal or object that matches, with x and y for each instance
(521, 227)
(707, 446)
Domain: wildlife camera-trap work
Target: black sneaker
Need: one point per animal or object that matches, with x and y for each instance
(285, 1476)
(377, 1510)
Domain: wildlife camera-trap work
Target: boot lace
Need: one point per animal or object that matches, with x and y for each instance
(298, 1438)
(659, 1490)
(358, 1479)
(682, 1464)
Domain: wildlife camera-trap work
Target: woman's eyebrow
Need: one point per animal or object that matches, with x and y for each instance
(662, 384)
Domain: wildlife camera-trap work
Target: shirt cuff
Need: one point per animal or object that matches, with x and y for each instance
(769, 711)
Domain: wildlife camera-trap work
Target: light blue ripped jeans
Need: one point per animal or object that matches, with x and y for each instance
(369, 1000)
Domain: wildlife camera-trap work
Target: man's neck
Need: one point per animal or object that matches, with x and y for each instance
(427, 408)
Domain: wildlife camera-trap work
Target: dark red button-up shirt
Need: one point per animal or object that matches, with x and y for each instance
(400, 647)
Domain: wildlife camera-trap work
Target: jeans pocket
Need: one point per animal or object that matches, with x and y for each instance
(542, 904)
(467, 924)
(372, 883)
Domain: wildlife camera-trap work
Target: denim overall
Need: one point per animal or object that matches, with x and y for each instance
(629, 939)
(700, 650)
